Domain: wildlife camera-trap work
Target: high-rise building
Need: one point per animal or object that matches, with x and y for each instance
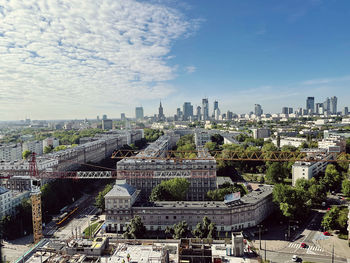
(217, 114)
(258, 111)
(139, 113)
(333, 105)
(98, 118)
(179, 114)
(122, 116)
(107, 124)
(187, 111)
(216, 106)
(229, 115)
(346, 111)
(160, 112)
(290, 110)
(285, 110)
(198, 113)
(205, 109)
(327, 105)
(310, 104)
(104, 117)
(318, 107)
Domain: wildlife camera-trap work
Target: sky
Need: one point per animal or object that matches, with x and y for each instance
(71, 59)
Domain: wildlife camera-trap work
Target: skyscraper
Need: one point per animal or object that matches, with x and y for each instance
(122, 116)
(327, 105)
(318, 108)
(160, 112)
(346, 111)
(205, 109)
(258, 111)
(198, 113)
(285, 110)
(310, 104)
(333, 105)
(216, 106)
(187, 111)
(139, 113)
(290, 110)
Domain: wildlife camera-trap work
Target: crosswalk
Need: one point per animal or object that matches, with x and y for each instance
(298, 245)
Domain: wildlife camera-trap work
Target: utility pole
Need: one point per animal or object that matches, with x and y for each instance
(265, 250)
(333, 254)
(260, 236)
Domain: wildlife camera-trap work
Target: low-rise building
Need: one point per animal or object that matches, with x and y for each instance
(246, 212)
(9, 200)
(53, 142)
(33, 146)
(261, 133)
(333, 143)
(289, 141)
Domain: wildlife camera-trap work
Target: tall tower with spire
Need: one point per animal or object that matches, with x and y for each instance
(161, 116)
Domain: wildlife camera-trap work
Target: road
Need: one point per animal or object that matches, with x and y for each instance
(312, 252)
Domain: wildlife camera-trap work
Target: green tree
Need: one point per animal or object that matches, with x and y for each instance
(219, 194)
(171, 190)
(48, 149)
(275, 173)
(332, 178)
(345, 187)
(205, 229)
(100, 198)
(179, 230)
(135, 229)
(26, 154)
(329, 221)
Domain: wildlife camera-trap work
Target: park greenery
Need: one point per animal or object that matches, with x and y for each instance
(152, 135)
(100, 198)
(135, 229)
(26, 154)
(227, 188)
(170, 190)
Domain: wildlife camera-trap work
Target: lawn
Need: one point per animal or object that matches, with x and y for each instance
(90, 230)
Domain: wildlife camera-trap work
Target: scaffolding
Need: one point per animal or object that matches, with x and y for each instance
(37, 216)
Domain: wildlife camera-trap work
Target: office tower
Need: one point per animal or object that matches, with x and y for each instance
(104, 117)
(205, 109)
(346, 111)
(310, 105)
(198, 113)
(217, 114)
(333, 105)
(318, 107)
(98, 118)
(290, 110)
(122, 116)
(327, 105)
(179, 114)
(160, 112)
(187, 111)
(285, 110)
(139, 113)
(229, 115)
(300, 111)
(258, 111)
(216, 106)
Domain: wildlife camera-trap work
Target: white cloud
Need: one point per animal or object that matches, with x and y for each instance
(191, 69)
(72, 56)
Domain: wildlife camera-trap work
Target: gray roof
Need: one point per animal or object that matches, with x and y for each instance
(121, 190)
(3, 190)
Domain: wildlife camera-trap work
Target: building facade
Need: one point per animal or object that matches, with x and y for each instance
(10, 152)
(310, 105)
(139, 113)
(107, 124)
(33, 146)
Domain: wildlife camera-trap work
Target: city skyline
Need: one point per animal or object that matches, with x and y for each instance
(91, 61)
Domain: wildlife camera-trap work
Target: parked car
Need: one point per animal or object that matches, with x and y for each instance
(303, 245)
(326, 233)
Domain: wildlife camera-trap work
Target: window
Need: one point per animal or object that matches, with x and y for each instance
(166, 217)
(174, 217)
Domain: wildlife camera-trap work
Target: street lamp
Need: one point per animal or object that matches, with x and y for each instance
(260, 226)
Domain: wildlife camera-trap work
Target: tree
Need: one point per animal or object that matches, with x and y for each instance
(275, 173)
(135, 229)
(332, 179)
(329, 220)
(217, 138)
(227, 188)
(178, 231)
(100, 198)
(205, 229)
(170, 190)
(48, 149)
(345, 187)
(26, 154)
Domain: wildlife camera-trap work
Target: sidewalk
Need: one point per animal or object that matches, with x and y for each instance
(272, 245)
(341, 247)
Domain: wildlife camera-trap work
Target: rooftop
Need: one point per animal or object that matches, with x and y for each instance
(121, 190)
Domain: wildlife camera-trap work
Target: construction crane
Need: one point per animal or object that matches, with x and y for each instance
(35, 175)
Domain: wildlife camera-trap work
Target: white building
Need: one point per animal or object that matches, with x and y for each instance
(10, 152)
(201, 137)
(307, 170)
(9, 200)
(333, 143)
(33, 146)
(289, 141)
